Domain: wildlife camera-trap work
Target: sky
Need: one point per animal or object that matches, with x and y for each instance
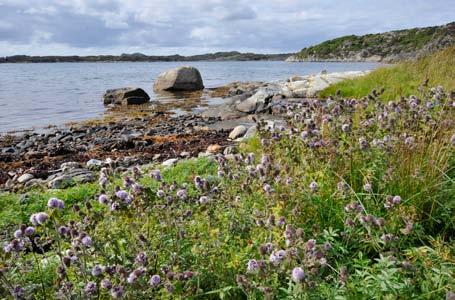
(187, 27)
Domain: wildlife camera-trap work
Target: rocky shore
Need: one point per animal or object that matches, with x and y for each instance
(63, 156)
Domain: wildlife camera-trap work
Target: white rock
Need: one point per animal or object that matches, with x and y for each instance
(25, 178)
(94, 163)
(170, 162)
(237, 132)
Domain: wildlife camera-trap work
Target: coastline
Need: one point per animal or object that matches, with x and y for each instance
(137, 136)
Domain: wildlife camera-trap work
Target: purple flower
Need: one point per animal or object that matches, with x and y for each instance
(121, 194)
(313, 186)
(97, 270)
(160, 194)
(203, 200)
(363, 143)
(18, 234)
(141, 259)
(106, 284)
(39, 218)
(367, 187)
(127, 182)
(311, 244)
(346, 127)
(34, 220)
(90, 288)
(267, 188)
(115, 206)
(298, 275)
(277, 257)
(29, 231)
(182, 194)
(103, 199)
(56, 203)
(87, 241)
(63, 230)
(396, 200)
(155, 280)
(117, 292)
(156, 174)
(102, 181)
(252, 266)
(137, 188)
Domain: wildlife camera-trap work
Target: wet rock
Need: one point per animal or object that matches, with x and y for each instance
(179, 79)
(237, 132)
(126, 96)
(25, 178)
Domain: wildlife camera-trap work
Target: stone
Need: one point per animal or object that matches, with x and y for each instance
(251, 132)
(169, 162)
(237, 132)
(257, 103)
(74, 176)
(25, 178)
(179, 79)
(70, 165)
(126, 96)
(214, 148)
(94, 163)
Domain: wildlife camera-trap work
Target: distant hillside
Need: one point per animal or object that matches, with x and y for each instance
(219, 56)
(382, 47)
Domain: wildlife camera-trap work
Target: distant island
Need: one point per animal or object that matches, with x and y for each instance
(139, 57)
(386, 47)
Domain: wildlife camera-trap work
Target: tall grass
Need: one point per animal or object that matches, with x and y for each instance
(402, 79)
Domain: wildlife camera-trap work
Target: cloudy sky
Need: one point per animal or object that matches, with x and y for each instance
(66, 27)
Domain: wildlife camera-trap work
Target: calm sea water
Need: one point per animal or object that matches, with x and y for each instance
(36, 95)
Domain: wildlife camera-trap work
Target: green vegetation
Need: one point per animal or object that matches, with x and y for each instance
(391, 46)
(354, 199)
(402, 79)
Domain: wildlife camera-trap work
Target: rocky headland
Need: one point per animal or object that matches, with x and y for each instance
(388, 47)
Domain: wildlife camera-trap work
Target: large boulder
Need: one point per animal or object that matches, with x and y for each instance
(126, 96)
(179, 79)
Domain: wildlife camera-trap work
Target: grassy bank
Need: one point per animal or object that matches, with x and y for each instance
(402, 79)
(354, 200)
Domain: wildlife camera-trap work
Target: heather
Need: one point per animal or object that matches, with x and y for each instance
(350, 199)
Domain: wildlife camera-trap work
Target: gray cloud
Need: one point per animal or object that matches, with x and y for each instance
(198, 26)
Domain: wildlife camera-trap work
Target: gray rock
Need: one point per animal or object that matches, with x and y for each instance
(75, 176)
(93, 163)
(257, 103)
(251, 132)
(237, 132)
(170, 162)
(179, 79)
(70, 165)
(25, 178)
(126, 96)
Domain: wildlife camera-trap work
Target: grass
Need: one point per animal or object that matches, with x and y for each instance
(402, 79)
